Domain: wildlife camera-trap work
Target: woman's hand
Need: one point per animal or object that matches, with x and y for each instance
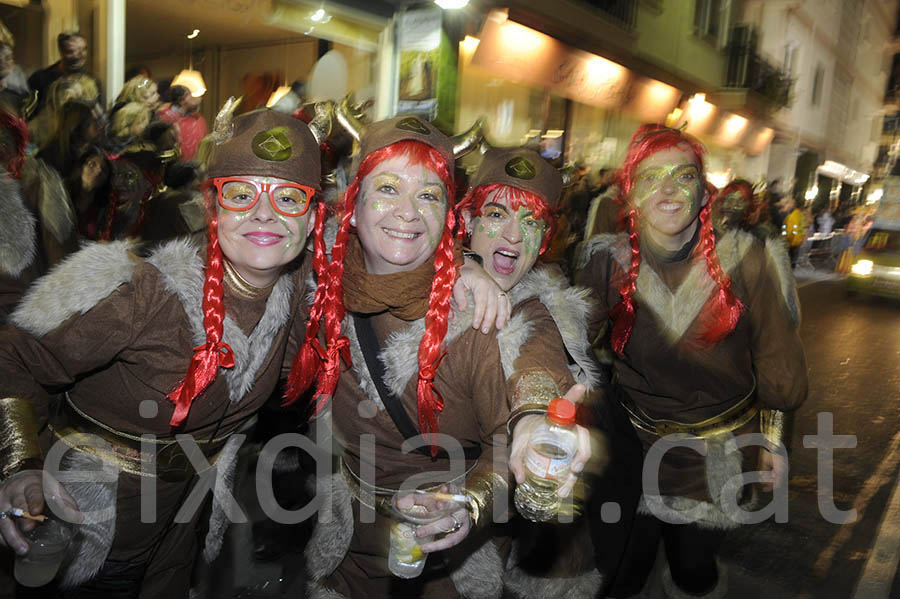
(491, 303)
(25, 490)
(522, 433)
(775, 469)
(454, 527)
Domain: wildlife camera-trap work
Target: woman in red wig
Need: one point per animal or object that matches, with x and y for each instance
(179, 341)
(704, 331)
(422, 400)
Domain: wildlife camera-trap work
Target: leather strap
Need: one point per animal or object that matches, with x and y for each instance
(370, 349)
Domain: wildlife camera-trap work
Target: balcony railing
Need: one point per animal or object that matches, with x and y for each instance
(748, 70)
(622, 12)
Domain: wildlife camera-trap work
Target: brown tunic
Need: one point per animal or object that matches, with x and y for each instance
(134, 345)
(477, 397)
(669, 375)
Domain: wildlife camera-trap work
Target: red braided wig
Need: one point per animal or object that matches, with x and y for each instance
(18, 131)
(215, 353)
(323, 364)
(723, 310)
(476, 198)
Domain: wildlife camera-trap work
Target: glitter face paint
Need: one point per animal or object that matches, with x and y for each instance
(260, 241)
(509, 241)
(669, 193)
(400, 215)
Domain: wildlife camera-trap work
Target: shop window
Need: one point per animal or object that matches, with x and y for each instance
(818, 82)
(708, 17)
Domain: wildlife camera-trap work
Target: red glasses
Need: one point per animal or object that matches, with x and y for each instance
(239, 194)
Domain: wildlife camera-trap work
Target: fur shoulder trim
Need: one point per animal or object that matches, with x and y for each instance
(18, 243)
(777, 255)
(96, 498)
(181, 267)
(570, 307)
(599, 243)
(74, 286)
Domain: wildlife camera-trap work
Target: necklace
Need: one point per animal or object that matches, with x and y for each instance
(240, 286)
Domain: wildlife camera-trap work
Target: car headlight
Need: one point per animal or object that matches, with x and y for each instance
(862, 268)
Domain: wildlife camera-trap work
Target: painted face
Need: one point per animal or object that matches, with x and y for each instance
(729, 211)
(260, 241)
(74, 54)
(508, 240)
(669, 194)
(91, 173)
(400, 214)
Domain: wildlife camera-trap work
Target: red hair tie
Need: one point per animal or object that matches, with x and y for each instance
(204, 365)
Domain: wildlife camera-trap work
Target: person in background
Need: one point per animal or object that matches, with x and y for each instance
(137, 89)
(127, 126)
(78, 127)
(88, 188)
(73, 58)
(183, 112)
(793, 230)
(704, 330)
(14, 90)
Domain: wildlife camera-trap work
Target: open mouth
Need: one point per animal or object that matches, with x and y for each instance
(505, 261)
(395, 234)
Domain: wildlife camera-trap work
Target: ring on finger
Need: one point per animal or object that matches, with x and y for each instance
(456, 524)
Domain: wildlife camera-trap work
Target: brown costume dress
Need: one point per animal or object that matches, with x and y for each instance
(478, 378)
(666, 374)
(117, 331)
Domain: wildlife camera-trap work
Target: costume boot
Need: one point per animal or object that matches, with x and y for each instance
(673, 591)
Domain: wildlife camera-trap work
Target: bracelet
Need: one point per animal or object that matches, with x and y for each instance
(472, 255)
(520, 412)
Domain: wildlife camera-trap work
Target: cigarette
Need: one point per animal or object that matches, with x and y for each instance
(20, 513)
(458, 498)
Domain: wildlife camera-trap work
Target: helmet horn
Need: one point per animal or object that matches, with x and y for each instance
(468, 140)
(349, 120)
(320, 125)
(224, 127)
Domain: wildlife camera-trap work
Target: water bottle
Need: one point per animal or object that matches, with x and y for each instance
(551, 447)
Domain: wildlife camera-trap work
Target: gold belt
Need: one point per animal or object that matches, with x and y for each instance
(731, 419)
(129, 453)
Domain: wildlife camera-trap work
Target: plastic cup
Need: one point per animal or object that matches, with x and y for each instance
(405, 557)
(47, 544)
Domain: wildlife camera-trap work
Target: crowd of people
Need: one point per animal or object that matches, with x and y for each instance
(422, 324)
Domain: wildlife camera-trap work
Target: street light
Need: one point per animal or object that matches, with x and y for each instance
(451, 4)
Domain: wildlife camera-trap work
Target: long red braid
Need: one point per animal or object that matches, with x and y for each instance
(324, 363)
(723, 310)
(215, 353)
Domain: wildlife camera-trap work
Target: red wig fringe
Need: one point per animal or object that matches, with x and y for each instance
(723, 310)
(18, 130)
(215, 353)
(475, 199)
(315, 362)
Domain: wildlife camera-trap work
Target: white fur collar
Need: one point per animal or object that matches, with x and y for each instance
(776, 252)
(17, 229)
(182, 272)
(675, 311)
(74, 286)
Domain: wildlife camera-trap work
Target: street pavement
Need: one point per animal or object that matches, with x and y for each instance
(852, 346)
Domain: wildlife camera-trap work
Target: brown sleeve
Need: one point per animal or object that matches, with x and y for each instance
(541, 366)
(82, 343)
(778, 357)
